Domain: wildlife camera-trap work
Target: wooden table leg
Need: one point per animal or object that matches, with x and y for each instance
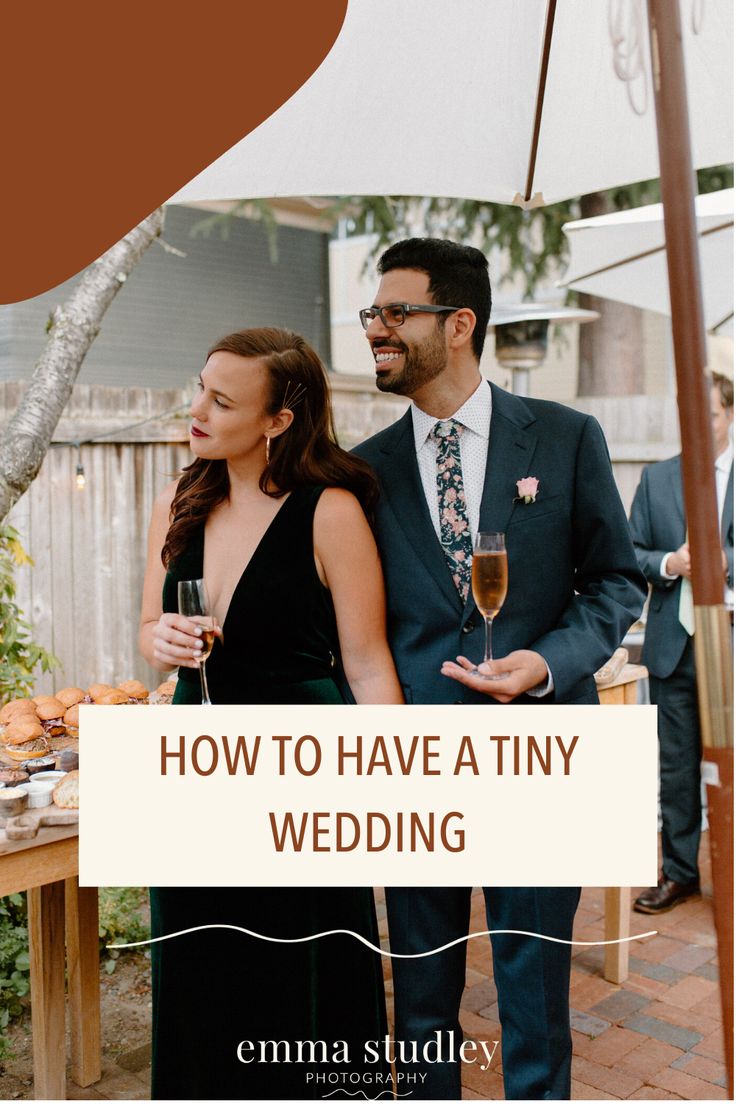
(83, 981)
(617, 926)
(46, 947)
(630, 693)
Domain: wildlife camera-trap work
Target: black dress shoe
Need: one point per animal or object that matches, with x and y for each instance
(665, 895)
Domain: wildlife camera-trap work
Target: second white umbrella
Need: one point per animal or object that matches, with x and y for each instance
(622, 256)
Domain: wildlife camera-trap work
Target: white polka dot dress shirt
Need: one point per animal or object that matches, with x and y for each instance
(475, 416)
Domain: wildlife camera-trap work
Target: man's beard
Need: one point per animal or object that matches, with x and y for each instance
(422, 364)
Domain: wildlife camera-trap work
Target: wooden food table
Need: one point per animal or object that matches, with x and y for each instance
(60, 916)
(63, 930)
(617, 924)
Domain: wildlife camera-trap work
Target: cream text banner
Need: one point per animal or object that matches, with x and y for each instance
(368, 795)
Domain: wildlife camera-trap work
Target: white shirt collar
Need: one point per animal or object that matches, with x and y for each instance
(725, 460)
(474, 414)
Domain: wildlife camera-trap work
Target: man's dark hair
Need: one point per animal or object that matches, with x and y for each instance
(724, 385)
(458, 276)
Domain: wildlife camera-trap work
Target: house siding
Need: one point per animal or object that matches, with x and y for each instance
(172, 308)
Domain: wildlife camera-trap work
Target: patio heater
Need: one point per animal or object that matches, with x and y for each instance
(522, 332)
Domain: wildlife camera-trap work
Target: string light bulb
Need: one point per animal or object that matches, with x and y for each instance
(80, 478)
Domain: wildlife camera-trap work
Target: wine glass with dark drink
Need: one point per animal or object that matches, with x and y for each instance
(194, 603)
(490, 582)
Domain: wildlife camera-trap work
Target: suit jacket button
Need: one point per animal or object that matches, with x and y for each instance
(468, 627)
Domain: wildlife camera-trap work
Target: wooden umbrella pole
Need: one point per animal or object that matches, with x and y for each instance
(713, 637)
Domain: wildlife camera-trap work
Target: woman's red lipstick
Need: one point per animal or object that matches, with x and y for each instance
(197, 432)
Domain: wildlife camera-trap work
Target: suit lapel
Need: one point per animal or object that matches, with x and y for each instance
(402, 486)
(511, 449)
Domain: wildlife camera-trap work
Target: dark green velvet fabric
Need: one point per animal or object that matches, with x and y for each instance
(214, 989)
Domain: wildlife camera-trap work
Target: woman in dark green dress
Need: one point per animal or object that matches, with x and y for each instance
(271, 515)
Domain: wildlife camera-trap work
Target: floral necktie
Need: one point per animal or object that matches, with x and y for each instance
(454, 526)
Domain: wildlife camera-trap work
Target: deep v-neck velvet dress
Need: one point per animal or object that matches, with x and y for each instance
(213, 990)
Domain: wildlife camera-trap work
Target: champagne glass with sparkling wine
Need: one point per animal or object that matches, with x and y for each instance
(490, 582)
(194, 603)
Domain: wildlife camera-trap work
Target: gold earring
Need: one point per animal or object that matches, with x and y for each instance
(268, 450)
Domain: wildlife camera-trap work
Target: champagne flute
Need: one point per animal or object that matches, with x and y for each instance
(490, 582)
(194, 603)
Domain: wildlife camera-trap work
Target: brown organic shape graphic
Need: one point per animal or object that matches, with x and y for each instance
(109, 108)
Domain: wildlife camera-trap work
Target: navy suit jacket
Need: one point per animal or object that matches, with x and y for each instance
(658, 525)
(574, 584)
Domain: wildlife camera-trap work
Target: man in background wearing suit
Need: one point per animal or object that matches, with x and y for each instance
(658, 527)
(448, 469)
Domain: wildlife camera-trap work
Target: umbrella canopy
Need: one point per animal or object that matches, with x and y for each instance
(529, 102)
(622, 256)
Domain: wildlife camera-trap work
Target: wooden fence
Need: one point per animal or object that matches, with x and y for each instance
(88, 545)
(82, 597)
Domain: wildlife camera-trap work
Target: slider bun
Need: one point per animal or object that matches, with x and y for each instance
(32, 750)
(112, 697)
(98, 689)
(15, 707)
(71, 695)
(71, 717)
(134, 689)
(20, 732)
(50, 709)
(167, 689)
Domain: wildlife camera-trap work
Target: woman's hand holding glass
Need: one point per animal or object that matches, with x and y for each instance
(195, 604)
(177, 641)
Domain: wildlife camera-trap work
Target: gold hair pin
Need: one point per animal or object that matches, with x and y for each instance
(290, 401)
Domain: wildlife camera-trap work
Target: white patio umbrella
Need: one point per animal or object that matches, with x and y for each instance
(502, 100)
(528, 102)
(622, 256)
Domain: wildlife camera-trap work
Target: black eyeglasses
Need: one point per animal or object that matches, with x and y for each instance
(394, 314)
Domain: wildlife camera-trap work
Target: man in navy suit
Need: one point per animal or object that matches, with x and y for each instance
(658, 527)
(448, 469)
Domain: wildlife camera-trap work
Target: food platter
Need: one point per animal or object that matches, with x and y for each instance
(39, 750)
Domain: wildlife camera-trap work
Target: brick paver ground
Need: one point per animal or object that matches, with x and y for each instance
(655, 1037)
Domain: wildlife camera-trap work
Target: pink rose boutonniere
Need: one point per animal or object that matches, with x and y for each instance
(526, 489)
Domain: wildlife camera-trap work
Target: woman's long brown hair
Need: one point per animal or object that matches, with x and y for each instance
(306, 454)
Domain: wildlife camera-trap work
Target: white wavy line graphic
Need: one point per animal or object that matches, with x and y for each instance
(373, 947)
(361, 1092)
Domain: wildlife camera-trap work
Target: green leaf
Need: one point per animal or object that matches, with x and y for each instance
(532, 243)
(20, 654)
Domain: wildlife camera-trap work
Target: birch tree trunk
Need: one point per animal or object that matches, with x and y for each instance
(75, 325)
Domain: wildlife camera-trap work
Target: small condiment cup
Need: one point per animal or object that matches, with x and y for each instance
(49, 776)
(39, 793)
